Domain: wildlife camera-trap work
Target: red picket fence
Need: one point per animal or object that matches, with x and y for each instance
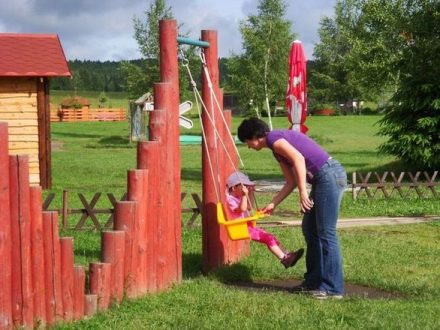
(86, 114)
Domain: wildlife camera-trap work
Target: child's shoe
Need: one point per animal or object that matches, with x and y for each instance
(291, 258)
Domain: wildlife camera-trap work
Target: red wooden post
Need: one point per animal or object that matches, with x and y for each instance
(99, 282)
(170, 74)
(79, 281)
(65, 209)
(213, 251)
(113, 252)
(37, 252)
(159, 127)
(241, 248)
(125, 217)
(67, 276)
(149, 158)
(22, 300)
(137, 191)
(52, 268)
(5, 233)
(90, 304)
(224, 159)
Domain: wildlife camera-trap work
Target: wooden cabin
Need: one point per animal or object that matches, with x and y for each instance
(27, 61)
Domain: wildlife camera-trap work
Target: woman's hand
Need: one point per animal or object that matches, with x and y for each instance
(268, 209)
(306, 203)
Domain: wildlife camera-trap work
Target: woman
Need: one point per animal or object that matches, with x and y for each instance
(301, 159)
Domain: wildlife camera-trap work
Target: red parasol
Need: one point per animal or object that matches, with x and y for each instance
(296, 97)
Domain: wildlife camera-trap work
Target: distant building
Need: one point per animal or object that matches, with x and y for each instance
(27, 61)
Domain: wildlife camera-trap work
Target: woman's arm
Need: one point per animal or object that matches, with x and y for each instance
(284, 148)
(285, 190)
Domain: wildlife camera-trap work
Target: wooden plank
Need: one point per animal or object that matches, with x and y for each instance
(17, 115)
(16, 106)
(23, 123)
(14, 130)
(34, 169)
(34, 179)
(7, 95)
(99, 282)
(18, 84)
(85, 114)
(23, 151)
(52, 268)
(37, 250)
(125, 220)
(113, 252)
(21, 108)
(79, 286)
(5, 233)
(67, 276)
(22, 295)
(23, 138)
(23, 145)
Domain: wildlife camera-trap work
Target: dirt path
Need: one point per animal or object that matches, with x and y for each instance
(356, 222)
(351, 290)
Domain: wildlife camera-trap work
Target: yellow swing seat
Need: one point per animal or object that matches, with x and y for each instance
(237, 229)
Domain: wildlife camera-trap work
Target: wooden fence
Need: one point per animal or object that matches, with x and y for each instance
(364, 185)
(389, 184)
(86, 114)
(92, 210)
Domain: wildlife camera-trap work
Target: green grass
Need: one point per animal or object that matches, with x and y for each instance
(404, 259)
(401, 259)
(96, 156)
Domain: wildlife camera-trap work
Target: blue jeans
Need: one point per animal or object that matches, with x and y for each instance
(323, 257)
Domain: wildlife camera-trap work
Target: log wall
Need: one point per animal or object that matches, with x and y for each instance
(18, 107)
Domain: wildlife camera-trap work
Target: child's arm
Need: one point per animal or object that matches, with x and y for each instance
(244, 199)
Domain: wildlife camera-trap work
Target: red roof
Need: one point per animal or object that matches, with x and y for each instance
(32, 55)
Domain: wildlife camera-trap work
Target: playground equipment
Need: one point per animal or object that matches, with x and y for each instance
(236, 228)
(143, 253)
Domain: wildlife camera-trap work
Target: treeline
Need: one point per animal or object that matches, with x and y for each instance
(105, 76)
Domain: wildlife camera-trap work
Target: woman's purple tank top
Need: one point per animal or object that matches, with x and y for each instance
(313, 153)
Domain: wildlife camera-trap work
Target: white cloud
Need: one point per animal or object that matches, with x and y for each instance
(98, 30)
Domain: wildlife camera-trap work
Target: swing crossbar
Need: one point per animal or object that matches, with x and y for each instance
(237, 229)
(192, 42)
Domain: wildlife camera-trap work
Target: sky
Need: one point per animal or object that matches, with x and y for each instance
(103, 30)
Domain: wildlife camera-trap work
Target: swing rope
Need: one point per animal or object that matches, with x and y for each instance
(197, 97)
(219, 109)
(213, 98)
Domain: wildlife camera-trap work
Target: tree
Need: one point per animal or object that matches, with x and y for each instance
(141, 77)
(102, 99)
(332, 79)
(390, 46)
(260, 73)
(412, 120)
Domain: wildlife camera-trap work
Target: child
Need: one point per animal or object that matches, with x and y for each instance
(239, 187)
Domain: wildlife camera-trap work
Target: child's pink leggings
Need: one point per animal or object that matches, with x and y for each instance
(260, 235)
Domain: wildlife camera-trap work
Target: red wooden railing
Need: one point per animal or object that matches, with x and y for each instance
(40, 285)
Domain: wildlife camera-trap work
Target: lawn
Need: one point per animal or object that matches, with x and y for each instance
(94, 157)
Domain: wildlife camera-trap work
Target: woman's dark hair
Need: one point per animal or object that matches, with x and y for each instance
(252, 128)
